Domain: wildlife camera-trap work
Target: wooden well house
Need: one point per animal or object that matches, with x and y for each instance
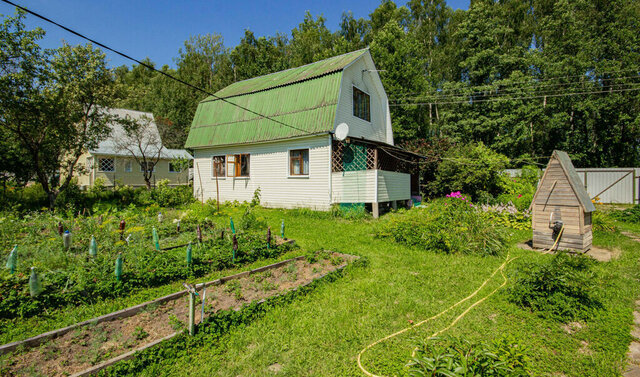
(561, 203)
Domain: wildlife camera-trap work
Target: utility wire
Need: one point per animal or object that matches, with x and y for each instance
(148, 66)
(637, 71)
(499, 88)
(472, 101)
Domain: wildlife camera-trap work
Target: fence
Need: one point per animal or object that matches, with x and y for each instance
(611, 185)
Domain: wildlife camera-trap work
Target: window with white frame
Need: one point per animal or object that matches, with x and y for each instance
(150, 167)
(238, 165)
(217, 166)
(128, 166)
(299, 162)
(361, 104)
(106, 164)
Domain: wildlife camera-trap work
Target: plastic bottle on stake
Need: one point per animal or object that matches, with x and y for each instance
(93, 247)
(160, 217)
(66, 239)
(189, 254)
(12, 261)
(156, 239)
(178, 226)
(60, 229)
(233, 228)
(199, 233)
(123, 224)
(35, 287)
(118, 270)
(235, 248)
(282, 230)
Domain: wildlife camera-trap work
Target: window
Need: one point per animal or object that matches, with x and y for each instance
(299, 162)
(217, 166)
(106, 164)
(238, 165)
(150, 167)
(173, 168)
(361, 107)
(128, 166)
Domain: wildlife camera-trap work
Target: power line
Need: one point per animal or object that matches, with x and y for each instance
(637, 71)
(149, 66)
(512, 98)
(504, 89)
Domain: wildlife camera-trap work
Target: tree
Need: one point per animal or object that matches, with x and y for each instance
(141, 140)
(51, 102)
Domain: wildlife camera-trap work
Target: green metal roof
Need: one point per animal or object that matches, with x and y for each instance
(305, 98)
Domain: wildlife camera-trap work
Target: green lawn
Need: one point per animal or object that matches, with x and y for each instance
(320, 334)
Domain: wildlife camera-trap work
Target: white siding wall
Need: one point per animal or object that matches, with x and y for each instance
(360, 186)
(354, 186)
(269, 169)
(379, 129)
(393, 186)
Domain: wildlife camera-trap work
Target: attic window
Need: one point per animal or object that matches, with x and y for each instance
(361, 104)
(238, 165)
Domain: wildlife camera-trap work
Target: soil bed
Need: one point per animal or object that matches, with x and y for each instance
(87, 346)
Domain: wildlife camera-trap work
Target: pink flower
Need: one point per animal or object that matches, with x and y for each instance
(519, 195)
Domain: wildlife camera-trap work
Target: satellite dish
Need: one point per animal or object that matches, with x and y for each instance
(342, 131)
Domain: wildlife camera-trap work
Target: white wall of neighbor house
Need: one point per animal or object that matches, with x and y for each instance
(269, 171)
(361, 74)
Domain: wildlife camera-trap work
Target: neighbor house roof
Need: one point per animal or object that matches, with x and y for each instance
(305, 98)
(110, 146)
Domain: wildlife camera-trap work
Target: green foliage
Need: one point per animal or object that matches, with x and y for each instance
(601, 221)
(471, 168)
(561, 288)
(457, 357)
(631, 215)
(507, 215)
(448, 225)
(255, 201)
(74, 278)
(519, 190)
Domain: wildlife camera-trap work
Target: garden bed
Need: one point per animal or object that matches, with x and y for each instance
(87, 346)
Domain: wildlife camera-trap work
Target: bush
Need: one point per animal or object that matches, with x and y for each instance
(450, 225)
(449, 356)
(602, 222)
(471, 168)
(507, 215)
(561, 288)
(631, 215)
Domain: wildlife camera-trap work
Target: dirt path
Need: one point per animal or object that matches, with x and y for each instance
(87, 346)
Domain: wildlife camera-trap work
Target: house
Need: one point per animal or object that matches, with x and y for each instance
(277, 133)
(119, 158)
(561, 208)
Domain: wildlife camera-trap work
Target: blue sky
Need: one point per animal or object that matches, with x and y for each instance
(157, 29)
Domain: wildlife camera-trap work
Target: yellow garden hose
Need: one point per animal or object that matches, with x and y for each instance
(557, 240)
(499, 269)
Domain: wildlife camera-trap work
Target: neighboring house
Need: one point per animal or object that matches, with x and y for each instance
(302, 163)
(116, 159)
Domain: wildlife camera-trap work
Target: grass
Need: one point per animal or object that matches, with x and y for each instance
(322, 333)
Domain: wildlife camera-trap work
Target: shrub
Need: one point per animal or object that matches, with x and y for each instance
(507, 215)
(602, 222)
(449, 356)
(561, 288)
(631, 215)
(450, 225)
(471, 168)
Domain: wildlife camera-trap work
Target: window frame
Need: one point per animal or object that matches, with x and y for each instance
(223, 175)
(301, 159)
(113, 164)
(147, 164)
(128, 166)
(234, 165)
(355, 91)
